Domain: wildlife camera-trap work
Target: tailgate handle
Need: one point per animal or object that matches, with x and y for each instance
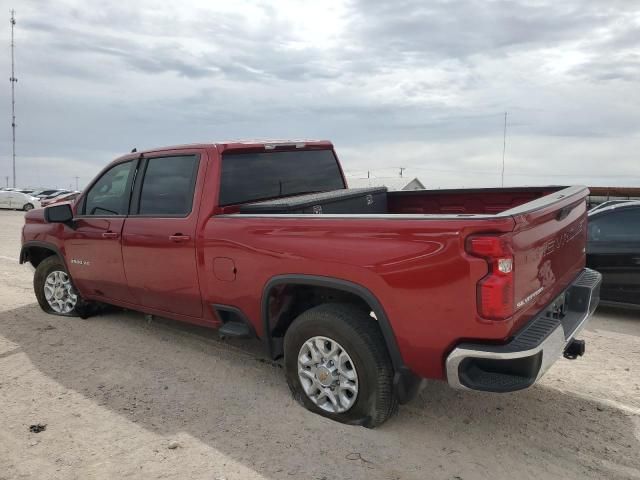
(565, 211)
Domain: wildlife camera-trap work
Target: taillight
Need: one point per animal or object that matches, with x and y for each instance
(495, 291)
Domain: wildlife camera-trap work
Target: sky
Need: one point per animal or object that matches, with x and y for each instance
(416, 84)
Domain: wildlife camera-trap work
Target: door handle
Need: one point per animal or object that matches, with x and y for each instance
(110, 235)
(178, 237)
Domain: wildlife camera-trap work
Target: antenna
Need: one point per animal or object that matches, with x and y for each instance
(504, 148)
(13, 81)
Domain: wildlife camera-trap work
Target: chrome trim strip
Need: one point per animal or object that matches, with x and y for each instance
(348, 216)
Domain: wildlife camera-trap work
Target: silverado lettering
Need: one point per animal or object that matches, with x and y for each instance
(565, 237)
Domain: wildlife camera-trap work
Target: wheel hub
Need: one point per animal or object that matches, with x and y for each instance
(327, 374)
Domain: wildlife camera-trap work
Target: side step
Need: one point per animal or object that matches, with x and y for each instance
(234, 322)
(235, 329)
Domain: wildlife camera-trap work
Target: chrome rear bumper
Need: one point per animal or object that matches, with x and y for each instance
(519, 363)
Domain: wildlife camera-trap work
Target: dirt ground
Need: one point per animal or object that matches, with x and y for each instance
(115, 392)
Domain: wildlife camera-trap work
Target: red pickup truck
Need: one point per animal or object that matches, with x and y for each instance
(364, 292)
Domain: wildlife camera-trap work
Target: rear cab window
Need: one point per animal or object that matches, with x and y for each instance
(249, 177)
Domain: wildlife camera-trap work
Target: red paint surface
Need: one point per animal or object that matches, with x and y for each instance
(417, 268)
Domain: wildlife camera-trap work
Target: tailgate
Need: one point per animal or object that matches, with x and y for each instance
(549, 247)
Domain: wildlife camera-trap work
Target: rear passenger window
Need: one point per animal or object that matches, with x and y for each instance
(168, 186)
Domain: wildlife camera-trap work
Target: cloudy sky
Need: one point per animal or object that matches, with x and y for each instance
(407, 83)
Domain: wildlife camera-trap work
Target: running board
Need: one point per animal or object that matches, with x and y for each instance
(234, 322)
(235, 329)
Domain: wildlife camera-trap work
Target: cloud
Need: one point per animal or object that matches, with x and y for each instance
(460, 29)
(408, 83)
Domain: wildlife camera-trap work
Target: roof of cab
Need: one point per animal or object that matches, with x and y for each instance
(239, 145)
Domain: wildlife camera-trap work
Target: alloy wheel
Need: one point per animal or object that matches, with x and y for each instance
(327, 374)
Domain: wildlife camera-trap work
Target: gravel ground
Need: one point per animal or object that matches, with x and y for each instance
(121, 397)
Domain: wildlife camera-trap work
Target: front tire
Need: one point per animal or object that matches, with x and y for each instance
(28, 207)
(337, 365)
(54, 290)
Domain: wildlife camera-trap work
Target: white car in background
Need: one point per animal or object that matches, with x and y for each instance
(18, 201)
(63, 197)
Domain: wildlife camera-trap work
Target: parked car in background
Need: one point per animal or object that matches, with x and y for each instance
(609, 203)
(18, 200)
(45, 192)
(49, 194)
(65, 197)
(613, 249)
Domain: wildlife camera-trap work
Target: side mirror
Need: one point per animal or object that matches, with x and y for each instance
(59, 214)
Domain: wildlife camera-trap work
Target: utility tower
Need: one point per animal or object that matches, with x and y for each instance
(13, 81)
(504, 148)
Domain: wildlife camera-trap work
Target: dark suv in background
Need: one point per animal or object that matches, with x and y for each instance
(613, 249)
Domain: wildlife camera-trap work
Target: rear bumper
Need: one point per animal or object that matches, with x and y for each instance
(521, 362)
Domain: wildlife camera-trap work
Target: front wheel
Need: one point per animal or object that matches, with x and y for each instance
(27, 207)
(337, 365)
(54, 290)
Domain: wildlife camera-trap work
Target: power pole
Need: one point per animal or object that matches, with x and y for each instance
(13, 81)
(76, 182)
(402, 169)
(504, 148)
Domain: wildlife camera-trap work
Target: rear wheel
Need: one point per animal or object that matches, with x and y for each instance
(337, 365)
(54, 290)
(27, 207)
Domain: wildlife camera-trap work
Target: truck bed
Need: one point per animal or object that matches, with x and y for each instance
(481, 201)
(415, 257)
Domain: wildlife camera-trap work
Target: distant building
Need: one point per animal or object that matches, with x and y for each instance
(603, 194)
(392, 183)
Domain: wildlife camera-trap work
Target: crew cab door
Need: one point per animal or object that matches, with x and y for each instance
(93, 249)
(613, 248)
(159, 236)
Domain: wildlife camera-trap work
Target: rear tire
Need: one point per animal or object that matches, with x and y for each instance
(362, 392)
(55, 291)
